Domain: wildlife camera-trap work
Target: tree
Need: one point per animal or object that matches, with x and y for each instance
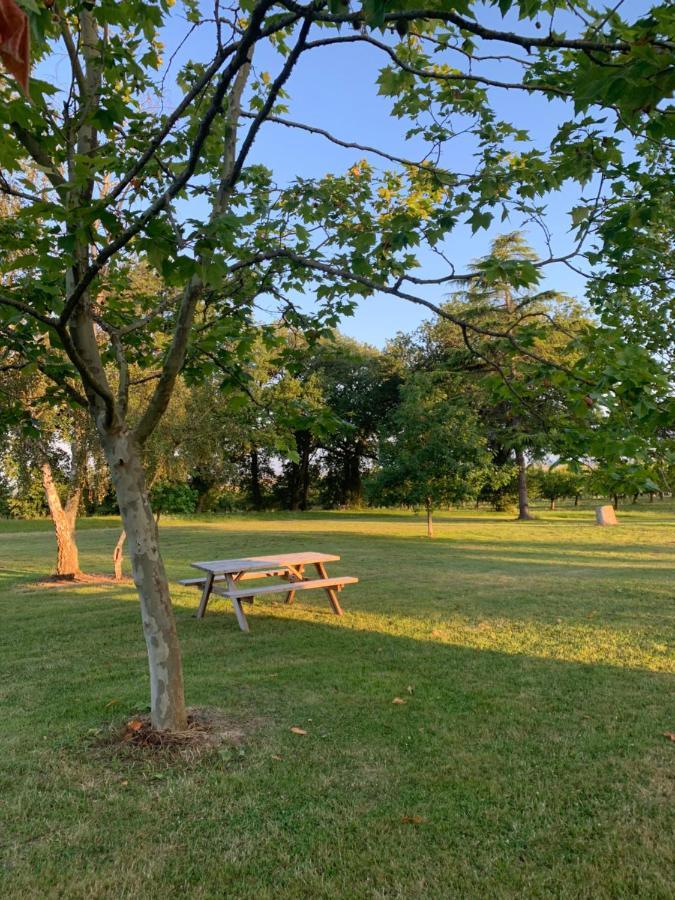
(557, 482)
(432, 453)
(521, 403)
(360, 387)
(616, 480)
(124, 180)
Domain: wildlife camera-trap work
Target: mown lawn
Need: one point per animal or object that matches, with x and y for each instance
(536, 662)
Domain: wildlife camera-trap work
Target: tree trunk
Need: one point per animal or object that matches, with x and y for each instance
(256, 488)
(615, 501)
(552, 506)
(523, 501)
(430, 523)
(118, 555)
(67, 556)
(351, 487)
(159, 627)
(576, 499)
(651, 496)
(304, 445)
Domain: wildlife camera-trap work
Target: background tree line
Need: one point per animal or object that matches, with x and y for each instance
(434, 419)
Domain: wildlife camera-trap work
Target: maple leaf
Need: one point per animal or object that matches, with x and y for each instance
(412, 820)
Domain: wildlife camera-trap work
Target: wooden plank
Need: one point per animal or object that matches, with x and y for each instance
(246, 576)
(310, 584)
(191, 582)
(248, 563)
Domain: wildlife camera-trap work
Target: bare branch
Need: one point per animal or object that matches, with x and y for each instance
(436, 75)
(350, 145)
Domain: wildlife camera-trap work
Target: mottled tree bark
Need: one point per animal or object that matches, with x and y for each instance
(64, 519)
(159, 626)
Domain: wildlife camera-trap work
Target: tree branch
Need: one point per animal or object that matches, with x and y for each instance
(240, 58)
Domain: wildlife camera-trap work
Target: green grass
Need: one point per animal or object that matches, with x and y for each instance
(536, 661)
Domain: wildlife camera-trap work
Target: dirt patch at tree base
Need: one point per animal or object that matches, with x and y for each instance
(65, 581)
(207, 730)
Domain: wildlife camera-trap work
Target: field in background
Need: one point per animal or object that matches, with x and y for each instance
(536, 664)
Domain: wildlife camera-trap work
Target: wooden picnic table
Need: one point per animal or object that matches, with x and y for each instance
(290, 567)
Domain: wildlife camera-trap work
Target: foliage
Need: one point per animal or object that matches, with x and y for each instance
(558, 482)
(432, 453)
(174, 498)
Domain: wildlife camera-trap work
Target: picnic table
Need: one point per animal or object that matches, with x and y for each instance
(224, 577)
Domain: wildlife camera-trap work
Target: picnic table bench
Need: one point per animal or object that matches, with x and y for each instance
(224, 577)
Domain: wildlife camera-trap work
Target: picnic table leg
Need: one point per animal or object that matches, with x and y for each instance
(332, 593)
(208, 584)
(239, 613)
(290, 596)
(236, 602)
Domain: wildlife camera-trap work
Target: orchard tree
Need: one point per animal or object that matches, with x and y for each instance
(555, 483)
(433, 452)
(124, 178)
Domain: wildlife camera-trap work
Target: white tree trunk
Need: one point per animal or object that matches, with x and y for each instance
(159, 626)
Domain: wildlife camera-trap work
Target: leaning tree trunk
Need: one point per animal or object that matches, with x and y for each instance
(64, 519)
(523, 501)
(159, 625)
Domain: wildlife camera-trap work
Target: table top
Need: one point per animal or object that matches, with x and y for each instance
(249, 563)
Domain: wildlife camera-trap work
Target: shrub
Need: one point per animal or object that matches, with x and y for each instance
(175, 498)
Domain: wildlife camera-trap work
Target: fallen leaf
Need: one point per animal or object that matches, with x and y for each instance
(412, 820)
(278, 758)
(124, 783)
(670, 735)
(297, 730)
(110, 703)
(399, 701)
(134, 725)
